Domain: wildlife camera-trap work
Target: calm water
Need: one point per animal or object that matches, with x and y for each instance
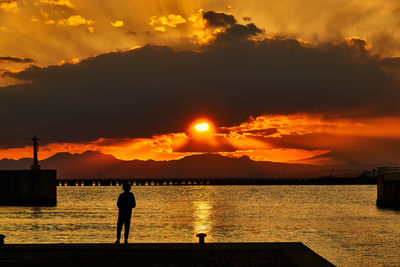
(341, 223)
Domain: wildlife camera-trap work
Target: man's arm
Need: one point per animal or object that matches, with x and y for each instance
(133, 201)
(119, 201)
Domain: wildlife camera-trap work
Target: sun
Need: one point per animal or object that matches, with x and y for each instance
(202, 127)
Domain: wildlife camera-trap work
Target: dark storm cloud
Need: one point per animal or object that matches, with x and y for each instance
(391, 62)
(233, 31)
(154, 90)
(219, 19)
(15, 60)
(358, 44)
(237, 32)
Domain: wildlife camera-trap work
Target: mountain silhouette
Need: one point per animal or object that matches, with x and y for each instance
(10, 164)
(94, 164)
(85, 165)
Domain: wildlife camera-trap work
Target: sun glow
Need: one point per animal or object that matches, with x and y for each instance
(202, 127)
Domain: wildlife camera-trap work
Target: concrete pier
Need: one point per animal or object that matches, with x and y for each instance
(388, 187)
(28, 187)
(161, 254)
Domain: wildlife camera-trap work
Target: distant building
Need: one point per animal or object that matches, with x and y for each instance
(388, 184)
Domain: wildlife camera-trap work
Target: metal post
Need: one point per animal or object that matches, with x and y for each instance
(201, 237)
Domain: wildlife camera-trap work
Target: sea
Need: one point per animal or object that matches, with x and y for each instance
(340, 223)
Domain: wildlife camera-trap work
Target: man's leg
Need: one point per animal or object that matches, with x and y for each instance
(127, 226)
(119, 228)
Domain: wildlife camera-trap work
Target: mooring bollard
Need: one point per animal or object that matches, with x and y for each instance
(2, 239)
(201, 237)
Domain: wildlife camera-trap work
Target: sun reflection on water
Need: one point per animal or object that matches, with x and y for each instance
(202, 217)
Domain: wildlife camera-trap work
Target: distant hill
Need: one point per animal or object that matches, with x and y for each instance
(92, 164)
(87, 164)
(10, 164)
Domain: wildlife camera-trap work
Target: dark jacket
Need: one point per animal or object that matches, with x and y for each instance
(126, 201)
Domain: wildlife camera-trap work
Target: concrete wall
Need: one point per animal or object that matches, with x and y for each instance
(28, 188)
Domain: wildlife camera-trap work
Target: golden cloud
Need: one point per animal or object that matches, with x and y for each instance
(75, 21)
(160, 29)
(331, 22)
(201, 33)
(65, 3)
(9, 6)
(117, 24)
(171, 21)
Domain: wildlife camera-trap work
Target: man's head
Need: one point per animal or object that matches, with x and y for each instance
(126, 187)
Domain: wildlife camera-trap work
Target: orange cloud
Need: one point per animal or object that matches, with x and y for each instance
(301, 124)
(252, 138)
(156, 148)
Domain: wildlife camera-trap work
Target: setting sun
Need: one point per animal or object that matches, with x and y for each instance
(202, 127)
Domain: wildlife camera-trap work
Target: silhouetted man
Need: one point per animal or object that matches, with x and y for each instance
(126, 201)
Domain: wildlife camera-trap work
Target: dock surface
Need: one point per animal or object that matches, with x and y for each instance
(160, 254)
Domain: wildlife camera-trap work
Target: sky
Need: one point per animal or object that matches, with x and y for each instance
(289, 81)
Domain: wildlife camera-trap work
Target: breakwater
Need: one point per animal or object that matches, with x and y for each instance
(28, 187)
(216, 181)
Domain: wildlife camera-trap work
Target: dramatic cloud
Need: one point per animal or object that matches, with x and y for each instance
(298, 138)
(231, 73)
(47, 42)
(156, 90)
(219, 19)
(238, 32)
(332, 21)
(15, 60)
(368, 140)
